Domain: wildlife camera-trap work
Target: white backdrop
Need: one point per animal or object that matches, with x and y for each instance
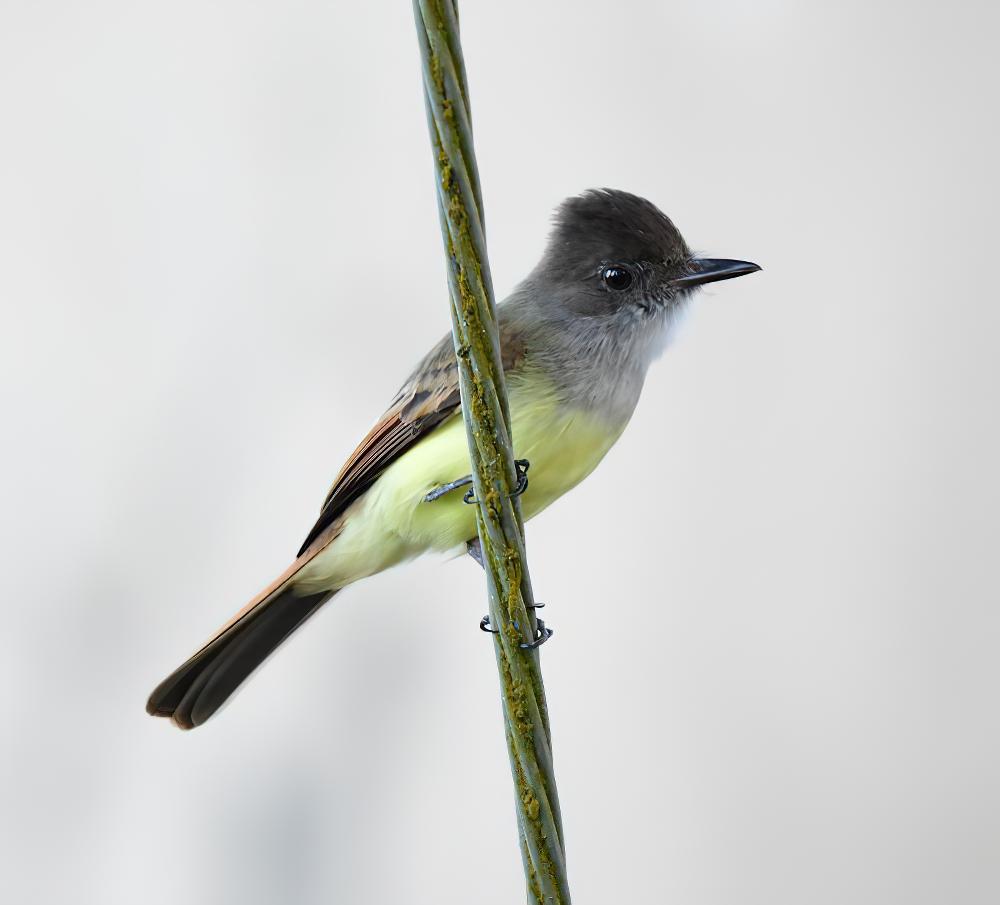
(219, 256)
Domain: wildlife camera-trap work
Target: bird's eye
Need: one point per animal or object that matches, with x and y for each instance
(617, 277)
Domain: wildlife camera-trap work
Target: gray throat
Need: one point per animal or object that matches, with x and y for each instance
(597, 362)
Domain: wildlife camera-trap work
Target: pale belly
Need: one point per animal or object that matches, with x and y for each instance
(392, 522)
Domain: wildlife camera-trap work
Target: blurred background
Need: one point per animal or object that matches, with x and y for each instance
(219, 257)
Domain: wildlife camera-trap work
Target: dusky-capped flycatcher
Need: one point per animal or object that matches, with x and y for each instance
(577, 337)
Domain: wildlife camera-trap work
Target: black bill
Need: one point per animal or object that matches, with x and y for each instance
(711, 270)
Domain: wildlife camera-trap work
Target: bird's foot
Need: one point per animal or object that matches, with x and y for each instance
(542, 632)
(439, 492)
(521, 467)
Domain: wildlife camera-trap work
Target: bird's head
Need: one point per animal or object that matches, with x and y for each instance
(611, 251)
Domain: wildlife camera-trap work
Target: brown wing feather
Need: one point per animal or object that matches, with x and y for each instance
(429, 397)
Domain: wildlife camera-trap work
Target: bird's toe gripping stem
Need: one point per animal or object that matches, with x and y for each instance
(521, 467)
(542, 632)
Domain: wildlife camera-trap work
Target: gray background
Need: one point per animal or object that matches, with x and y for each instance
(774, 675)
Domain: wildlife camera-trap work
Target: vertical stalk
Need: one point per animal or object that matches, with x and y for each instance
(487, 420)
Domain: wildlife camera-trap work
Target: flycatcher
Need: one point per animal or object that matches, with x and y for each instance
(576, 336)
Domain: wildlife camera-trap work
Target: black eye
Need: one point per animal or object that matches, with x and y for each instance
(616, 277)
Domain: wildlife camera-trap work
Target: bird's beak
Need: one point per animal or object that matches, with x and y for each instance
(711, 270)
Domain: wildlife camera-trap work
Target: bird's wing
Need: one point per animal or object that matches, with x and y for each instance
(429, 397)
(193, 692)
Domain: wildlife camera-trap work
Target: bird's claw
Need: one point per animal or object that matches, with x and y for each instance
(542, 632)
(521, 467)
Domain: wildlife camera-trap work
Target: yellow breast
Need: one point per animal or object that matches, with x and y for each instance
(392, 522)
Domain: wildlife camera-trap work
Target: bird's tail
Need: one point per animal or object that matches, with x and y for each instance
(199, 687)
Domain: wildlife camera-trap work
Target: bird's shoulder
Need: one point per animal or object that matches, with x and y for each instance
(433, 384)
(429, 397)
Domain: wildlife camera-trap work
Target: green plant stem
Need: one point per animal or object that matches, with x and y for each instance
(487, 420)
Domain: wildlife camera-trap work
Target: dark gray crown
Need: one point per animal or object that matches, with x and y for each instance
(610, 226)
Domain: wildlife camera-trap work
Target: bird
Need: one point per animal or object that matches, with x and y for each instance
(577, 337)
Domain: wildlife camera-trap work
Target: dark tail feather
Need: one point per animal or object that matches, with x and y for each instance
(194, 691)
